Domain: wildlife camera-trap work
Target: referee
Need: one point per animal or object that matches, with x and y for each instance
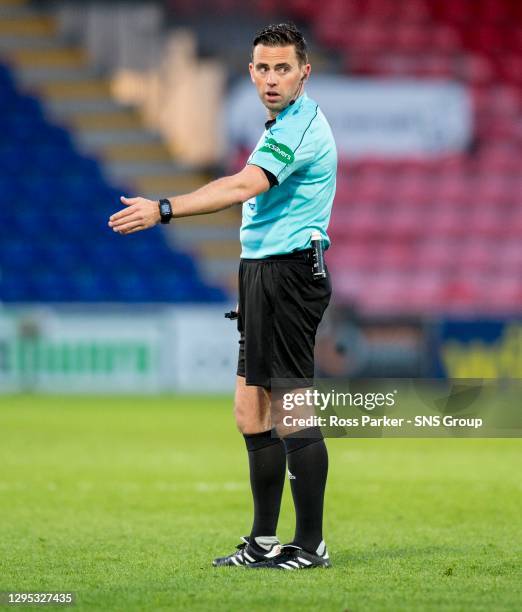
(286, 190)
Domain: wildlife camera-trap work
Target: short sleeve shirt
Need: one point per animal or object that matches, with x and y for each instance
(298, 149)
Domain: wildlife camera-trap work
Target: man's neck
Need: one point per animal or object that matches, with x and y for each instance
(272, 115)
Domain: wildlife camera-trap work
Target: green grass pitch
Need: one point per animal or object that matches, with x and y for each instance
(126, 500)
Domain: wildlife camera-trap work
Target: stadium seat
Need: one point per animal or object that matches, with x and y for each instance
(56, 254)
(444, 228)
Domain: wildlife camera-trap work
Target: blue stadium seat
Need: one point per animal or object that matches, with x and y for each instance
(61, 250)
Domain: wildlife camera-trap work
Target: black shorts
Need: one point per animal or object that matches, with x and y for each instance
(280, 308)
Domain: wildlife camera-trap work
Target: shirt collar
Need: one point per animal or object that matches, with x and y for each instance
(294, 106)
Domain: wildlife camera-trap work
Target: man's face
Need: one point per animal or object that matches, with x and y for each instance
(276, 74)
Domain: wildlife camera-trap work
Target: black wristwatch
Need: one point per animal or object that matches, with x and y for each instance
(165, 209)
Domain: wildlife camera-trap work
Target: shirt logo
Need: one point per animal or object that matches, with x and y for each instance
(280, 151)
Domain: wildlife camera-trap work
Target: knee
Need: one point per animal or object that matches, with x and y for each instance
(252, 413)
(240, 416)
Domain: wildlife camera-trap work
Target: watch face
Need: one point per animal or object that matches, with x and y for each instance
(165, 211)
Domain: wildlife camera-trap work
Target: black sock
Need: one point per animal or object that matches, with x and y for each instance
(308, 468)
(267, 460)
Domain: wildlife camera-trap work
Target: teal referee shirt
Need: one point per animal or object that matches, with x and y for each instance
(299, 151)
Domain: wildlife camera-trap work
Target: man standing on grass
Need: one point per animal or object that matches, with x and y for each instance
(287, 189)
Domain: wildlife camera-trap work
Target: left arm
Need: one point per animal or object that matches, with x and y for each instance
(222, 193)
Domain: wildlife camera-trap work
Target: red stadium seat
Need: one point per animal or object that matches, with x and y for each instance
(304, 9)
(381, 10)
(330, 33)
(490, 188)
(456, 11)
(267, 7)
(493, 11)
(515, 39)
(514, 224)
(505, 101)
(384, 293)
(511, 68)
(370, 38)
(445, 40)
(451, 189)
(475, 69)
(444, 233)
(411, 38)
(416, 191)
(435, 256)
(463, 295)
(426, 293)
(488, 223)
(436, 65)
(365, 224)
(485, 36)
(392, 256)
(508, 257)
(406, 224)
(354, 255)
(372, 188)
(476, 255)
(504, 295)
(414, 11)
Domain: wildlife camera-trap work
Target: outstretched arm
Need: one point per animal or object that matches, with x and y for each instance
(141, 213)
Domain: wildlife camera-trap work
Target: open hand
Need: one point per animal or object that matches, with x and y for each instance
(140, 214)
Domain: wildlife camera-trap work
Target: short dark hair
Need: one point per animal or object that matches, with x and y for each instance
(282, 35)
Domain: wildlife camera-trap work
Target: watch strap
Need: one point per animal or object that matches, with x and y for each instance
(165, 209)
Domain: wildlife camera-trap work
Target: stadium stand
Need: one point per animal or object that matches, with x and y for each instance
(55, 245)
(425, 235)
(409, 236)
(438, 235)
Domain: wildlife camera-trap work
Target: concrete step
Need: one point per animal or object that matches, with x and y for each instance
(76, 95)
(28, 25)
(218, 264)
(16, 9)
(58, 57)
(39, 76)
(11, 42)
(130, 169)
(97, 139)
(221, 272)
(118, 119)
(152, 151)
(216, 246)
(220, 249)
(70, 107)
(6, 4)
(79, 90)
(219, 269)
(166, 185)
(225, 219)
(196, 234)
